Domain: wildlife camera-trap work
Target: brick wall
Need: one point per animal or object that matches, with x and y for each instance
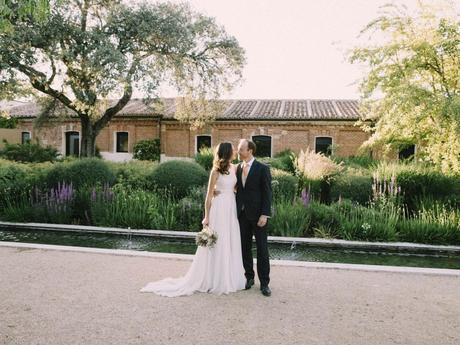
(177, 140)
(12, 136)
(53, 133)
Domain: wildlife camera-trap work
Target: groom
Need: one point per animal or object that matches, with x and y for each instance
(253, 202)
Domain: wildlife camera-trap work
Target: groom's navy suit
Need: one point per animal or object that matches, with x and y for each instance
(253, 200)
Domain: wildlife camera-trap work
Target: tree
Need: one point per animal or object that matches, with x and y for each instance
(89, 56)
(13, 10)
(6, 121)
(411, 93)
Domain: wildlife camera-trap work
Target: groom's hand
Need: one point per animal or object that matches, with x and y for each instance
(262, 221)
(215, 192)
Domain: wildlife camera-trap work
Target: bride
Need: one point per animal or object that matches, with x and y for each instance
(219, 269)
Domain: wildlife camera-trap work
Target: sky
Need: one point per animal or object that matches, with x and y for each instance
(295, 49)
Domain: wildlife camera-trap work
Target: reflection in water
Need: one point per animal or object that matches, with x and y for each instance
(294, 251)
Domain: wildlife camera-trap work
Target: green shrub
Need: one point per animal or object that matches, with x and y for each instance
(124, 207)
(29, 152)
(147, 150)
(438, 224)
(49, 206)
(178, 177)
(367, 224)
(18, 208)
(191, 209)
(281, 161)
(284, 160)
(18, 178)
(205, 158)
(164, 213)
(418, 181)
(13, 182)
(284, 186)
(7, 122)
(309, 184)
(322, 217)
(81, 172)
(134, 174)
(289, 219)
(357, 162)
(13, 178)
(415, 185)
(120, 207)
(354, 187)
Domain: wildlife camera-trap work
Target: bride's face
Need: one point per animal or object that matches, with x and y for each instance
(235, 153)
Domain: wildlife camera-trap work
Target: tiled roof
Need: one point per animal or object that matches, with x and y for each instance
(302, 109)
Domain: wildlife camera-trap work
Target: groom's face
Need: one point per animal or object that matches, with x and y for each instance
(243, 152)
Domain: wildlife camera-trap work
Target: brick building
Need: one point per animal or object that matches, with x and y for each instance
(275, 125)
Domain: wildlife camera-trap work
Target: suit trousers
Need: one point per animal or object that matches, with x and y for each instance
(249, 228)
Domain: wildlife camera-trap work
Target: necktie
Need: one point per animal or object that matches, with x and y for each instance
(245, 172)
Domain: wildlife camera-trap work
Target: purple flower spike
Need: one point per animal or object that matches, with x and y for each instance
(306, 196)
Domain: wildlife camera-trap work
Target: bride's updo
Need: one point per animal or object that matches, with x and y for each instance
(222, 157)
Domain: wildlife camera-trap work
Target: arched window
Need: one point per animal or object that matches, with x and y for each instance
(72, 144)
(202, 141)
(407, 152)
(323, 145)
(263, 145)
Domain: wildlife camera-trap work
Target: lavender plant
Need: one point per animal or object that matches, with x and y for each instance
(58, 202)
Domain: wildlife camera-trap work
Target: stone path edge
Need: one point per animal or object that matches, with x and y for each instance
(189, 257)
(317, 242)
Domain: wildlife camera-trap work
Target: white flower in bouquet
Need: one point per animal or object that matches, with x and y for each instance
(206, 237)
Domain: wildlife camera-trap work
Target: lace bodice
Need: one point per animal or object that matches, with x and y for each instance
(226, 182)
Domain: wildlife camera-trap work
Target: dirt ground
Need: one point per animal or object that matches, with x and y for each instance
(59, 297)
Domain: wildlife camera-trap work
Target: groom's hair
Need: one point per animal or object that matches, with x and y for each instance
(252, 146)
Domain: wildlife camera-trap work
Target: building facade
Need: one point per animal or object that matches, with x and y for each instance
(274, 125)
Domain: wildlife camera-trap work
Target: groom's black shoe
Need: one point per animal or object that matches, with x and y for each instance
(249, 283)
(266, 291)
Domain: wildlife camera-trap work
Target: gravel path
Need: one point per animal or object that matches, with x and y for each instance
(56, 297)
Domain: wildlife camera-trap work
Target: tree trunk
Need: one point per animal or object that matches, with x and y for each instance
(88, 139)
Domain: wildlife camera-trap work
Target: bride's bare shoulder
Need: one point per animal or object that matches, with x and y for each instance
(234, 166)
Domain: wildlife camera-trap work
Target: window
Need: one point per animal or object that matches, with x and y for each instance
(407, 152)
(202, 141)
(25, 137)
(72, 144)
(122, 141)
(323, 145)
(263, 145)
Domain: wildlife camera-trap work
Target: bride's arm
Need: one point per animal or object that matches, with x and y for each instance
(211, 185)
(235, 168)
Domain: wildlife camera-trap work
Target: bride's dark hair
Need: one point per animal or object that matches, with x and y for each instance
(222, 157)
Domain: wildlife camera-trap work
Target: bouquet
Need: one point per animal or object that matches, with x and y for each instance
(206, 237)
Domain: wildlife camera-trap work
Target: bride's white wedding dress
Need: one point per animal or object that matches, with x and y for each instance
(219, 269)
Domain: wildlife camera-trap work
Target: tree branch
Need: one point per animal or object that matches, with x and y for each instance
(128, 91)
(39, 82)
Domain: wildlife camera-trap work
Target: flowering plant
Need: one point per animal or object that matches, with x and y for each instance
(316, 166)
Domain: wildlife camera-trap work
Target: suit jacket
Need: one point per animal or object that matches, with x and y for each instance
(256, 195)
